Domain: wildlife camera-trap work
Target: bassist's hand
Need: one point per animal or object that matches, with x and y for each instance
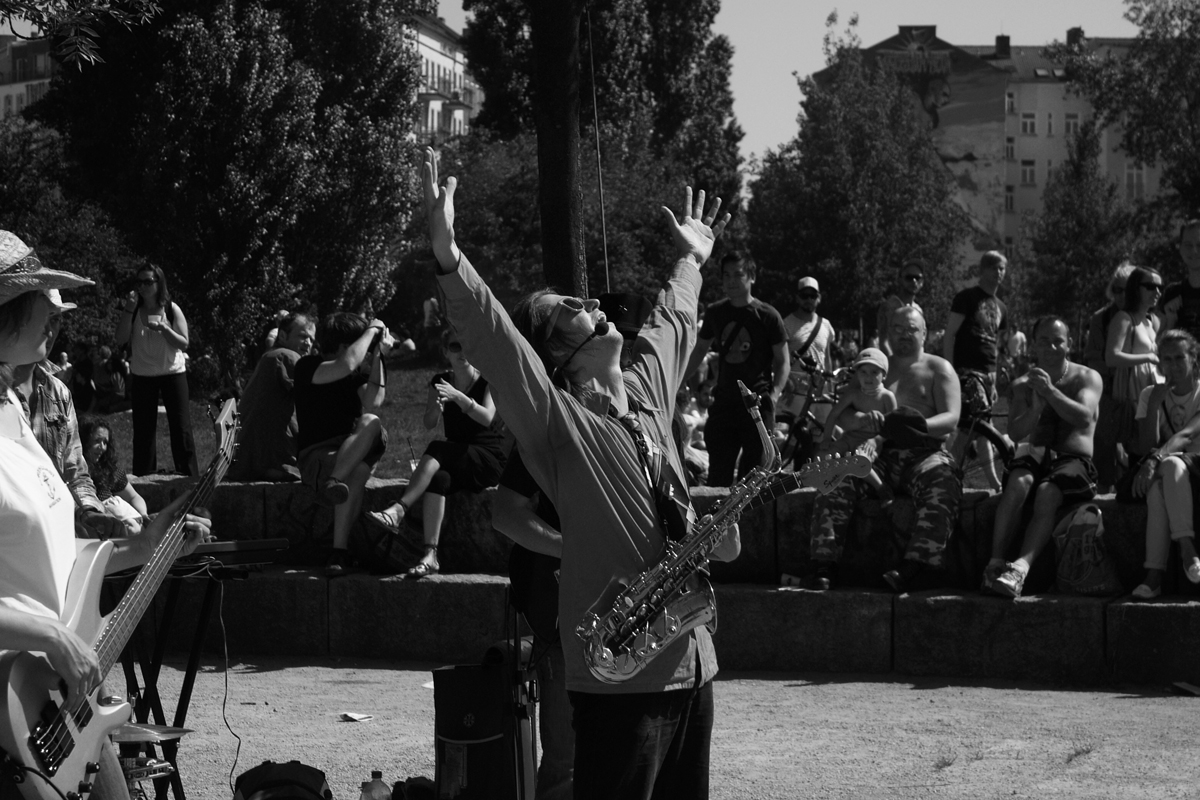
(75, 663)
(197, 526)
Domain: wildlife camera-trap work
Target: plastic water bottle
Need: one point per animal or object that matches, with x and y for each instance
(375, 789)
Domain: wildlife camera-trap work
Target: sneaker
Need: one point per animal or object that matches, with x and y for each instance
(990, 573)
(1010, 582)
(337, 564)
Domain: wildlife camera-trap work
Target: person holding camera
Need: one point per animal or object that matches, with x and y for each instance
(339, 444)
(157, 333)
(471, 458)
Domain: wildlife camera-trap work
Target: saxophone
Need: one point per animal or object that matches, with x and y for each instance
(623, 634)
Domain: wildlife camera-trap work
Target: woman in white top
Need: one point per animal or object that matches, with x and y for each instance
(37, 511)
(1169, 415)
(157, 333)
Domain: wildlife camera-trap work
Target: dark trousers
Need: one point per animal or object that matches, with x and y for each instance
(652, 746)
(174, 392)
(730, 431)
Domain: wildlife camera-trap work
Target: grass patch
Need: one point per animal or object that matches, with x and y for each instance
(1080, 750)
(944, 761)
(401, 412)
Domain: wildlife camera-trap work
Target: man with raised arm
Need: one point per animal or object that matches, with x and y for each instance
(600, 447)
(1055, 404)
(913, 459)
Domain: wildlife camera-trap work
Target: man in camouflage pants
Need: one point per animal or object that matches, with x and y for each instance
(912, 457)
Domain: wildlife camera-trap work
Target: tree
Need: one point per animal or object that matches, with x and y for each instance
(1151, 92)
(73, 24)
(66, 233)
(1082, 233)
(258, 152)
(859, 190)
(661, 80)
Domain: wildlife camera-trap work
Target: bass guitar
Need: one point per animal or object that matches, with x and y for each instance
(822, 473)
(53, 750)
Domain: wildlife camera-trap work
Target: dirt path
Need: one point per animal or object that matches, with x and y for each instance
(777, 735)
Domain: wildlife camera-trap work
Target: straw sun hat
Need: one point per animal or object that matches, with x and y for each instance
(22, 271)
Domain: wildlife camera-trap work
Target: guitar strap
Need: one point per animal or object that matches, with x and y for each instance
(671, 498)
(812, 337)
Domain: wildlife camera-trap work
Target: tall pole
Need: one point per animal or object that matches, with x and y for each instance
(554, 29)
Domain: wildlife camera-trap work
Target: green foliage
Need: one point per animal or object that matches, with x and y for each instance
(499, 229)
(1152, 92)
(256, 150)
(74, 23)
(858, 191)
(66, 233)
(1084, 231)
(661, 80)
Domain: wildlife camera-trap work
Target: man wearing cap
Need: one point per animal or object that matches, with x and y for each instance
(751, 345)
(913, 460)
(810, 340)
(51, 413)
(912, 278)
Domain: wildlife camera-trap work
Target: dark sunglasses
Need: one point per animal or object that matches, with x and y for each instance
(914, 277)
(146, 281)
(575, 304)
(1156, 287)
(809, 295)
(454, 347)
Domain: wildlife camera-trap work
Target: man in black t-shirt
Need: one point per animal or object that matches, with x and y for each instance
(975, 335)
(750, 341)
(339, 444)
(1181, 301)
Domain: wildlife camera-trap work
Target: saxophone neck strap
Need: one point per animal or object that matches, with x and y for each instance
(671, 499)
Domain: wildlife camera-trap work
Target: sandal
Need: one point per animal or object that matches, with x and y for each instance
(335, 492)
(387, 520)
(424, 568)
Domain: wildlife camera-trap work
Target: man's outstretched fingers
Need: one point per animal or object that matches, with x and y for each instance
(712, 212)
(698, 213)
(687, 203)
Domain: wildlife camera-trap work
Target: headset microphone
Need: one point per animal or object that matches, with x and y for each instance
(601, 329)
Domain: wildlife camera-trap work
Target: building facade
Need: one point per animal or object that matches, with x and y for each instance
(25, 71)
(1001, 116)
(448, 96)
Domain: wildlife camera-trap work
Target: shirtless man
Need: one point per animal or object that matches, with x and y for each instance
(912, 458)
(1055, 404)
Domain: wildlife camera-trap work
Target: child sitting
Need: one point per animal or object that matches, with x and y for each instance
(113, 488)
(865, 395)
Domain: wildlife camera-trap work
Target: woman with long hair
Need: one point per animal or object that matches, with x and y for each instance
(116, 493)
(157, 333)
(37, 511)
(1169, 416)
(1132, 354)
(471, 458)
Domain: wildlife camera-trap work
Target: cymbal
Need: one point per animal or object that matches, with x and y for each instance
(146, 732)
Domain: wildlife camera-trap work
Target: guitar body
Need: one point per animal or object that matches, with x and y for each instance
(32, 697)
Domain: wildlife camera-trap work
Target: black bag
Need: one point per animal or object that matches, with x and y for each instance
(383, 553)
(483, 726)
(1084, 565)
(290, 781)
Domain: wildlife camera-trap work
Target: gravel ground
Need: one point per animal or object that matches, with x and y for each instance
(777, 735)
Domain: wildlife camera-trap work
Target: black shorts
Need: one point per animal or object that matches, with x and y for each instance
(1075, 476)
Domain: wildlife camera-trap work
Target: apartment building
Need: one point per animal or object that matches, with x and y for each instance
(25, 71)
(449, 98)
(1000, 116)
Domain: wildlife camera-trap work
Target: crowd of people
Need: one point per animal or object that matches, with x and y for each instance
(593, 416)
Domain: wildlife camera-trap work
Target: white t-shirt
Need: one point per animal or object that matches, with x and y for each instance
(798, 333)
(1179, 410)
(37, 527)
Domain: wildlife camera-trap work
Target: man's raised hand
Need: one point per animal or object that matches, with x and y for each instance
(439, 208)
(695, 233)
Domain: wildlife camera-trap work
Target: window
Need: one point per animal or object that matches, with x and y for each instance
(1028, 124)
(1028, 173)
(1010, 148)
(1135, 181)
(1010, 103)
(1071, 125)
(1008, 248)
(1010, 200)
(1049, 124)
(8, 105)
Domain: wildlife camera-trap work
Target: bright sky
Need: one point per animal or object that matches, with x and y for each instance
(774, 38)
